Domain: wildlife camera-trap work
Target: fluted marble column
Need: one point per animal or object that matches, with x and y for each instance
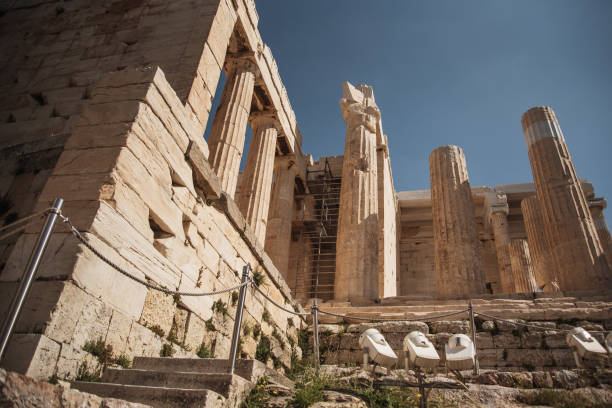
(226, 141)
(458, 261)
(356, 275)
(256, 185)
(522, 268)
(574, 243)
(596, 207)
(280, 215)
(539, 247)
(499, 223)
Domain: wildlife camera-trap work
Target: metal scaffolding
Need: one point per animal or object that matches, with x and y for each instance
(315, 274)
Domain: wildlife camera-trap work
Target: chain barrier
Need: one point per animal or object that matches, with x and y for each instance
(125, 273)
(277, 305)
(370, 319)
(532, 325)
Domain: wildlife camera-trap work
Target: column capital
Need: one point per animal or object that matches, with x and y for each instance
(599, 203)
(242, 64)
(496, 203)
(265, 118)
(537, 114)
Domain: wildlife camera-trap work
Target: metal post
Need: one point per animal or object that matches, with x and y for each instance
(238, 320)
(476, 364)
(28, 275)
(315, 317)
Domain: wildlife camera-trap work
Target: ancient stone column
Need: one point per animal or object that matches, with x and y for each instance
(522, 268)
(256, 185)
(357, 242)
(574, 243)
(539, 248)
(280, 215)
(596, 207)
(458, 261)
(226, 140)
(498, 218)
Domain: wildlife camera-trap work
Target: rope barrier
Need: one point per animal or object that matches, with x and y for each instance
(16, 230)
(532, 325)
(279, 306)
(125, 273)
(423, 319)
(29, 217)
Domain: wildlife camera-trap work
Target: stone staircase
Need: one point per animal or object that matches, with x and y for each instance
(535, 307)
(181, 382)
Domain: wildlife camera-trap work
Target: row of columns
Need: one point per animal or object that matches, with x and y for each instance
(272, 226)
(567, 242)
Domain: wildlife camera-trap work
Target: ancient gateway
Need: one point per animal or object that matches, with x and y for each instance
(104, 103)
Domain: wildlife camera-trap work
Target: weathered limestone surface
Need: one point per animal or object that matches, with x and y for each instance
(227, 134)
(254, 200)
(149, 220)
(539, 247)
(280, 215)
(522, 267)
(575, 245)
(458, 261)
(357, 244)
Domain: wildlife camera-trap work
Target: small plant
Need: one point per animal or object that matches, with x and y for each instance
(276, 362)
(158, 330)
(220, 307)
(234, 298)
(258, 278)
(290, 322)
(99, 349)
(54, 379)
(122, 361)
(303, 342)
(247, 329)
(84, 374)
(291, 341)
(265, 316)
(210, 326)
(259, 397)
(256, 330)
(262, 352)
(172, 337)
(204, 351)
(167, 350)
(278, 338)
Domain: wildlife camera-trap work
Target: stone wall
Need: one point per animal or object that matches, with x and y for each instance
(136, 181)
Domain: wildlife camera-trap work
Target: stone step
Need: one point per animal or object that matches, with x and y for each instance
(250, 370)
(156, 397)
(220, 383)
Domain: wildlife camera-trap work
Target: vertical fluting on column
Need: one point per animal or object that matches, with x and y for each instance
(539, 247)
(499, 223)
(280, 215)
(575, 246)
(226, 141)
(458, 261)
(356, 274)
(256, 185)
(522, 268)
(596, 207)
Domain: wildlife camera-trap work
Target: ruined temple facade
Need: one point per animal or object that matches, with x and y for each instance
(108, 109)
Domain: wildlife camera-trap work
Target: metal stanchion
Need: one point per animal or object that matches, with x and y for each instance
(238, 319)
(473, 325)
(315, 317)
(28, 275)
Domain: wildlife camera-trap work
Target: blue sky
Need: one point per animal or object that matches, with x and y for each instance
(451, 72)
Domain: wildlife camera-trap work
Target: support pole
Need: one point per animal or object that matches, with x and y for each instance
(29, 275)
(238, 319)
(476, 364)
(315, 317)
